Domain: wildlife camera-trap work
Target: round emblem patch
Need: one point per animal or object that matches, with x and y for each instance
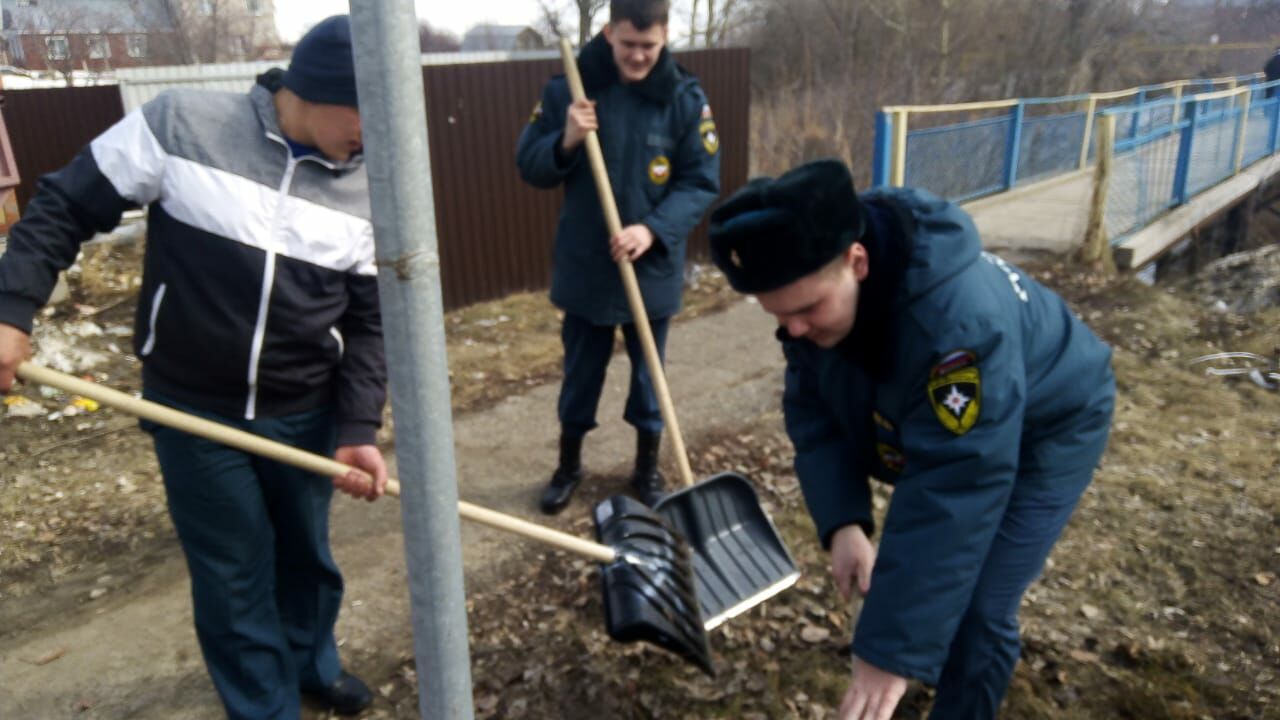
(710, 138)
(659, 170)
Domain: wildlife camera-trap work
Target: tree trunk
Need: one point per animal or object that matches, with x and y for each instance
(693, 25)
(585, 14)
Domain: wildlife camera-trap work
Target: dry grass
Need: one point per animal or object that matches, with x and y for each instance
(1158, 603)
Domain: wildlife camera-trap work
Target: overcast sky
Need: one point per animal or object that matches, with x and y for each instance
(293, 17)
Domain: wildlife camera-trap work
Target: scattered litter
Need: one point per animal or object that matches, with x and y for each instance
(85, 404)
(493, 322)
(1262, 371)
(20, 407)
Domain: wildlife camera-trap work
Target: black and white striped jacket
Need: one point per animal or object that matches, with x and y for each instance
(259, 294)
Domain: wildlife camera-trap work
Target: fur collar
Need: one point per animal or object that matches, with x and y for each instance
(599, 71)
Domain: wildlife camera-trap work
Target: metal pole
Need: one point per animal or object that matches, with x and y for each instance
(883, 154)
(898, 176)
(1182, 171)
(1013, 145)
(393, 115)
(1090, 109)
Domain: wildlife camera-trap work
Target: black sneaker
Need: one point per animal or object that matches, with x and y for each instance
(348, 695)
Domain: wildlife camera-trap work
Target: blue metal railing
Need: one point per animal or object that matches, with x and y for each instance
(1196, 143)
(1172, 141)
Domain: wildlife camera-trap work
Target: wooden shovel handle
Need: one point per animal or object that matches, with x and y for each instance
(614, 222)
(280, 452)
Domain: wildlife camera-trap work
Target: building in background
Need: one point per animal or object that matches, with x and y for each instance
(97, 36)
(507, 38)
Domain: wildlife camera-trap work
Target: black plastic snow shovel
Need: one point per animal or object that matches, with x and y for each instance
(647, 569)
(739, 559)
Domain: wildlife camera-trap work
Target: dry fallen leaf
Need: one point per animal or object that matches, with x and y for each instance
(1265, 578)
(1085, 657)
(812, 634)
(49, 656)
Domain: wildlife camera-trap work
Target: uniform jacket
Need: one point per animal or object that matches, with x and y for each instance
(965, 378)
(259, 295)
(662, 154)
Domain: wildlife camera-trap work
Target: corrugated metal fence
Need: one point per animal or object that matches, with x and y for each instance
(495, 231)
(48, 127)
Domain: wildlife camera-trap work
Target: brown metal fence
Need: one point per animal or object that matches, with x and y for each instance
(48, 127)
(495, 232)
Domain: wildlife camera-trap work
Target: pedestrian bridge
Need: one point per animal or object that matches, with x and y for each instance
(1140, 169)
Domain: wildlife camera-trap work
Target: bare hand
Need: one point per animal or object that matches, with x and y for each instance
(370, 463)
(579, 120)
(873, 693)
(631, 243)
(15, 347)
(852, 560)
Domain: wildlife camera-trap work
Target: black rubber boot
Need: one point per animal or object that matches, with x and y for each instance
(348, 695)
(566, 478)
(647, 481)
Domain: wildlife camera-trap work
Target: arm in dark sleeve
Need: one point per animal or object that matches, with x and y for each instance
(695, 176)
(828, 463)
(362, 385)
(541, 161)
(119, 170)
(943, 517)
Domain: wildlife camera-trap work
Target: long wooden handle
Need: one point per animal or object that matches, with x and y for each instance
(641, 319)
(280, 452)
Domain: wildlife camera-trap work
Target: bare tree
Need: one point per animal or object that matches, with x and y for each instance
(432, 39)
(587, 10)
(551, 21)
(712, 23)
(219, 30)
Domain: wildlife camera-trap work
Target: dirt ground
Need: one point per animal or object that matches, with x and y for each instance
(1159, 602)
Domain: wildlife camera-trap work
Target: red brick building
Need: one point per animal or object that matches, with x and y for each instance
(101, 35)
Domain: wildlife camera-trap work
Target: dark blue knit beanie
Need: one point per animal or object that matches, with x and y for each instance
(322, 69)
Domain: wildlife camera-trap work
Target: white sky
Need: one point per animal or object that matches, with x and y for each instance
(293, 17)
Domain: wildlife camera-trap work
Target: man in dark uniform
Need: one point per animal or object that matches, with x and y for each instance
(1272, 71)
(914, 356)
(662, 152)
(259, 310)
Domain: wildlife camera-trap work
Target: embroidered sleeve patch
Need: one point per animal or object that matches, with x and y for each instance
(955, 391)
(710, 138)
(659, 170)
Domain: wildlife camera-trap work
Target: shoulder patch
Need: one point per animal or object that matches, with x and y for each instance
(955, 391)
(537, 113)
(710, 138)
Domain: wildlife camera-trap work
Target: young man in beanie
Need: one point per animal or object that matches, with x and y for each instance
(259, 310)
(914, 356)
(661, 146)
